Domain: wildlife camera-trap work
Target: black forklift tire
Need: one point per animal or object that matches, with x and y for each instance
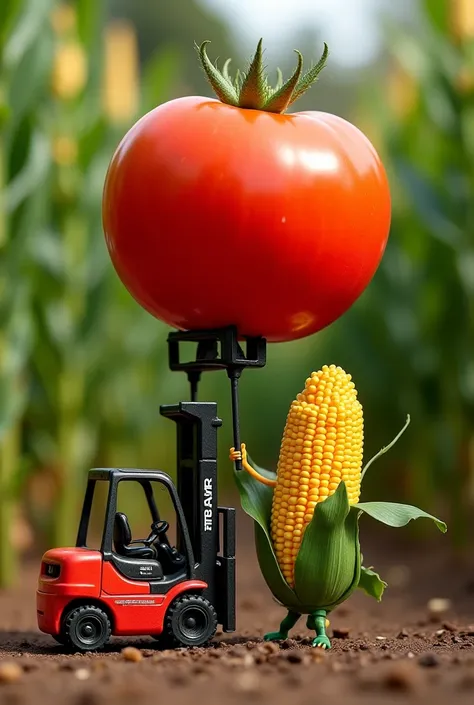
(191, 620)
(61, 639)
(162, 641)
(86, 628)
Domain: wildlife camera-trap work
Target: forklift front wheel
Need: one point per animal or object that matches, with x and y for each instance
(86, 628)
(60, 639)
(191, 620)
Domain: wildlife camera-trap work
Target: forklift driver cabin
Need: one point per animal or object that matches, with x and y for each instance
(145, 586)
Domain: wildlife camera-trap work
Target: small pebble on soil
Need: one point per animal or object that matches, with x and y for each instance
(130, 653)
(10, 672)
(438, 606)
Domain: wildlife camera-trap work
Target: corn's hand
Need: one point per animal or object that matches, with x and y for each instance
(242, 455)
(238, 454)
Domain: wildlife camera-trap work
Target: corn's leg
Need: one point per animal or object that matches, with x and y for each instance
(317, 621)
(288, 623)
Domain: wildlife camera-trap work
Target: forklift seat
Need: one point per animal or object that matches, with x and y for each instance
(123, 539)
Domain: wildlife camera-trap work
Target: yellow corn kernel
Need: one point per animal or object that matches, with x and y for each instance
(327, 417)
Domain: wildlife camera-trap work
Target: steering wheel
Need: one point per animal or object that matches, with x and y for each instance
(160, 527)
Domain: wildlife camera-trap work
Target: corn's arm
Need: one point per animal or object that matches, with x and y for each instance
(242, 455)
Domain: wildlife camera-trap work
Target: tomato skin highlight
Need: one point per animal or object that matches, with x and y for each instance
(216, 215)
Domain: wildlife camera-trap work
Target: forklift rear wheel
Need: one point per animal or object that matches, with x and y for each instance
(190, 621)
(86, 628)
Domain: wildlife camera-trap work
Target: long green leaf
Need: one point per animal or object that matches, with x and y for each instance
(371, 583)
(89, 20)
(385, 449)
(397, 515)
(256, 498)
(33, 173)
(32, 22)
(32, 71)
(438, 13)
(8, 12)
(427, 203)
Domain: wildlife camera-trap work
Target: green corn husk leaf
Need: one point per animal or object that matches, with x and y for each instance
(327, 567)
(371, 583)
(397, 515)
(268, 563)
(331, 546)
(256, 500)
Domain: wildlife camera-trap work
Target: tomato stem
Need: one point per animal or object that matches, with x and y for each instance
(252, 90)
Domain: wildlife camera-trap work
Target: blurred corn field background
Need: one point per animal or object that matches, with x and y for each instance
(83, 369)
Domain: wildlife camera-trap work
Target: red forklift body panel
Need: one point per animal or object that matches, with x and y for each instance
(66, 574)
(115, 584)
(133, 615)
(80, 572)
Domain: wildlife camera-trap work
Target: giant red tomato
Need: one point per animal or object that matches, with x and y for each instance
(216, 215)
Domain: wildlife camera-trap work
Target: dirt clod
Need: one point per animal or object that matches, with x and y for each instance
(402, 677)
(341, 633)
(294, 655)
(450, 627)
(268, 647)
(317, 655)
(428, 661)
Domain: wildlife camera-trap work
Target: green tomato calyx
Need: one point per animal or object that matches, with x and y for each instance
(252, 90)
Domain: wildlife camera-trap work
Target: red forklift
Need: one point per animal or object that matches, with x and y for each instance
(179, 593)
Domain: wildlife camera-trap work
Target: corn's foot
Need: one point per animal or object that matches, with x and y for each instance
(285, 626)
(322, 642)
(318, 621)
(275, 636)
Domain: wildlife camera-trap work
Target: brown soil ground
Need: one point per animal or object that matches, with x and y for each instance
(396, 651)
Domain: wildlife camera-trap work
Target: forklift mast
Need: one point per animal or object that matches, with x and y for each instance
(197, 425)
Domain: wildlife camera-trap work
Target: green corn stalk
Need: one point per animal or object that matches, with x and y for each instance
(22, 161)
(67, 275)
(96, 354)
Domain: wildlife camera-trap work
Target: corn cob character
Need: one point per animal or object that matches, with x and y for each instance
(306, 515)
